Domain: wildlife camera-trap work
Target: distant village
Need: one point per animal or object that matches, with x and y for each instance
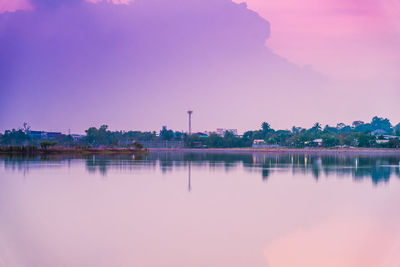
(379, 133)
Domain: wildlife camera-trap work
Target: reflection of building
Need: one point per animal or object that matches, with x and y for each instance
(222, 131)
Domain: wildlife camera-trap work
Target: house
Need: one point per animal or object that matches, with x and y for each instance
(379, 132)
(259, 142)
(315, 142)
(387, 137)
(202, 134)
(382, 141)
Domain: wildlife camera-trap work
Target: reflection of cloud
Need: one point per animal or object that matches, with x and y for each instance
(347, 243)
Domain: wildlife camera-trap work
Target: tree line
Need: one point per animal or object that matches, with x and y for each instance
(359, 134)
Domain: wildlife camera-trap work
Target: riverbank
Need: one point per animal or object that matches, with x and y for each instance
(32, 150)
(325, 151)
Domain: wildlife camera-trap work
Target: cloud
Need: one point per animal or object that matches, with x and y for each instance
(117, 2)
(14, 5)
(75, 57)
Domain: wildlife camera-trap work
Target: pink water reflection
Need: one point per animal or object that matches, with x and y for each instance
(65, 216)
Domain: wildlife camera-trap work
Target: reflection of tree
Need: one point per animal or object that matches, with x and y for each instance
(315, 171)
(380, 174)
(95, 164)
(378, 168)
(265, 173)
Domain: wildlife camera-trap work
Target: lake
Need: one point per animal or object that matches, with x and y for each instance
(200, 209)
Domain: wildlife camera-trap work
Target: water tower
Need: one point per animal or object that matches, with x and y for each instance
(190, 121)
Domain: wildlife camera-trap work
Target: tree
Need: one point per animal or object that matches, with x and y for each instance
(331, 129)
(136, 145)
(266, 127)
(296, 130)
(67, 140)
(99, 136)
(394, 143)
(45, 144)
(363, 128)
(366, 140)
(357, 123)
(397, 129)
(329, 140)
(317, 127)
(166, 134)
(15, 137)
(340, 126)
(346, 138)
(26, 127)
(214, 140)
(378, 123)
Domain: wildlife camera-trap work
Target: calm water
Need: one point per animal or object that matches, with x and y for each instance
(197, 210)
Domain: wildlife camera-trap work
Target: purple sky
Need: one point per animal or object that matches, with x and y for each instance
(74, 64)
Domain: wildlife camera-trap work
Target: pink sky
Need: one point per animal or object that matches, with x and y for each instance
(345, 39)
(353, 43)
(340, 38)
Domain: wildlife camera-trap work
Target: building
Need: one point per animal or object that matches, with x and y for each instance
(202, 134)
(54, 135)
(314, 143)
(383, 141)
(45, 135)
(357, 123)
(77, 137)
(37, 134)
(259, 142)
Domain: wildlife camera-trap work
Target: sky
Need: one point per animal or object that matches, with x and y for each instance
(72, 64)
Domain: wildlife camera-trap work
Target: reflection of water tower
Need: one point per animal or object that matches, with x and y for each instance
(190, 121)
(189, 178)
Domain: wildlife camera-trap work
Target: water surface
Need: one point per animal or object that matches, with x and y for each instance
(183, 209)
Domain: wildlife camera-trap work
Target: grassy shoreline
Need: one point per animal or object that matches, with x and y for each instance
(69, 151)
(385, 151)
(16, 150)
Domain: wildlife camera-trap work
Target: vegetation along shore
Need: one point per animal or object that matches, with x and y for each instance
(378, 135)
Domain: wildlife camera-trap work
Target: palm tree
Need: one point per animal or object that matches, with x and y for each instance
(317, 127)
